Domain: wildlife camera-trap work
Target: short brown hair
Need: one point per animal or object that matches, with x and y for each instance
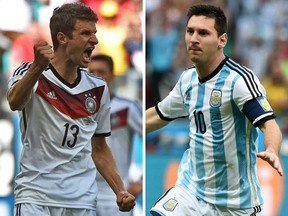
(65, 17)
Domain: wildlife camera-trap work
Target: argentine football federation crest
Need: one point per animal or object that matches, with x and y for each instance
(216, 97)
(264, 104)
(170, 205)
(90, 104)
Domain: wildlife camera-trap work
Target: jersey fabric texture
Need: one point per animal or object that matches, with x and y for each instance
(126, 119)
(224, 110)
(57, 126)
(178, 201)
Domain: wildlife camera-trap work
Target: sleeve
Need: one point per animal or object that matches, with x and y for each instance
(135, 117)
(250, 97)
(173, 105)
(18, 74)
(103, 115)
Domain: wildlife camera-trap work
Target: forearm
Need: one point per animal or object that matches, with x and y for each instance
(106, 166)
(21, 92)
(272, 136)
(153, 121)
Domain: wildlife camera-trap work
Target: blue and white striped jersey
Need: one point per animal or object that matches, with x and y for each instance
(224, 110)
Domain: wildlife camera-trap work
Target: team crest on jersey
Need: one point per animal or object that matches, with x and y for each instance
(264, 104)
(90, 104)
(216, 97)
(170, 205)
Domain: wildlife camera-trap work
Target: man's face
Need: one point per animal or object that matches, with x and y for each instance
(82, 43)
(100, 68)
(202, 41)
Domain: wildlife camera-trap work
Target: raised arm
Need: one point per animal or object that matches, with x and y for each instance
(105, 164)
(21, 92)
(272, 141)
(153, 121)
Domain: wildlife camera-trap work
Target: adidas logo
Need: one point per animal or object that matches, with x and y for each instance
(52, 95)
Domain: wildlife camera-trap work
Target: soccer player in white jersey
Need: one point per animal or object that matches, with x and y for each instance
(126, 120)
(225, 103)
(64, 118)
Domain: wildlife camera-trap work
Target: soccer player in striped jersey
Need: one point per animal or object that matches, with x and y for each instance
(225, 103)
(64, 119)
(126, 120)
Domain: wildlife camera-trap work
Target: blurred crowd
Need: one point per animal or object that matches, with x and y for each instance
(257, 38)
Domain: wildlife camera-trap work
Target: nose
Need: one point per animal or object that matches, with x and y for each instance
(194, 38)
(94, 39)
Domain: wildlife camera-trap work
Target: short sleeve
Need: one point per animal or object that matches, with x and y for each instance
(173, 105)
(18, 74)
(250, 97)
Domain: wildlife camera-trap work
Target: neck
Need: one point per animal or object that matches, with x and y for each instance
(65, 68)
(205, 69)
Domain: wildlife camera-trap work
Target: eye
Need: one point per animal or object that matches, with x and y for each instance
(203, 33)
(190, 31)
(87, 33)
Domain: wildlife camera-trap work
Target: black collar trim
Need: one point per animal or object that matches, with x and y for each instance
(70, 85)
(211, 75)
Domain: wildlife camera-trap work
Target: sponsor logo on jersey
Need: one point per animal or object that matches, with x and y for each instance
(90, 104)
(170, 205)
(264, 103)
(52, 95)
(216, 97)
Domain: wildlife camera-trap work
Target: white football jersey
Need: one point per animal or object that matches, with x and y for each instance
(57, 125)
(224, 110)
(126, 119)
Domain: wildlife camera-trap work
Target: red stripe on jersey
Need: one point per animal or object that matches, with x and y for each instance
(119, 118)
(75, 106)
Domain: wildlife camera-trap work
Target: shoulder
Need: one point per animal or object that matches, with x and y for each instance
(240, 69)
(245, 78)
(188, 74)
(22, 69)
(90, 76)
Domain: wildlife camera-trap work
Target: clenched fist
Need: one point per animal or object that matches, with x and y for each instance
(125, 201)
(43, 54)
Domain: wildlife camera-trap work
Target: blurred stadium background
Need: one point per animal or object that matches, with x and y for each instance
(258, 38)
(23, 23)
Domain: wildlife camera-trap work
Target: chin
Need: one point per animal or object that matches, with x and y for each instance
(83, 64)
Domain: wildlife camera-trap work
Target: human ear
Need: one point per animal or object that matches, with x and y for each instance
(61, 37)
(222, 41)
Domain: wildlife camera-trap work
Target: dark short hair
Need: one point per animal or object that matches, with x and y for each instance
(211, 12)
(65, 17)
(107, 59)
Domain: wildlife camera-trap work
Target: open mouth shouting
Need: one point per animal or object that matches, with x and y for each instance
(87, 54)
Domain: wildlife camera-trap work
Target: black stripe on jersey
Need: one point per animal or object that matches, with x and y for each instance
(18, 209)
(161, 115)
(163, 196)
(22, 68)
(24, 119)
(246, 75)
(102, 134)
(19, 68)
